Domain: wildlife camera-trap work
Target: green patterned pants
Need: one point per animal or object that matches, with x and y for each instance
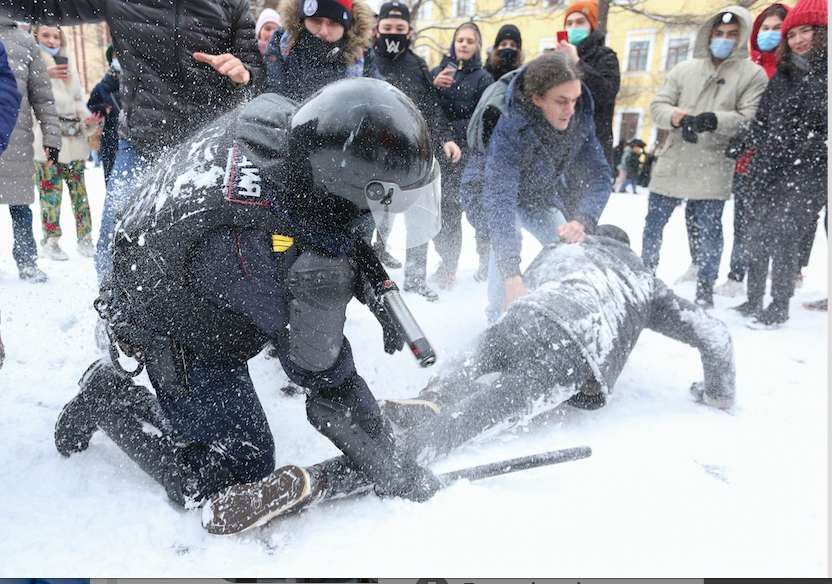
(50, 185)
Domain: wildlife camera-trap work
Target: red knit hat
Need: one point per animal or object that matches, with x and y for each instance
(588, 8)
(339, 11)
(811, 12)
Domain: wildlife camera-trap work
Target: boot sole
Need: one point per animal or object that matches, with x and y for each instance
(239, 508)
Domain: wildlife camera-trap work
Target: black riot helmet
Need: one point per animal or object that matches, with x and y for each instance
(365, 141)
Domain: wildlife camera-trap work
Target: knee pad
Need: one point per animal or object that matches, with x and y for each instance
(321, 287)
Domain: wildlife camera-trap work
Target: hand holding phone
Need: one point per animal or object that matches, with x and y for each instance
(563, 36)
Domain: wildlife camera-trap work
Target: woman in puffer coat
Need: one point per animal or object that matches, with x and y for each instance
(461, 81)
(321, 42)
(788, 175)
(77, 123)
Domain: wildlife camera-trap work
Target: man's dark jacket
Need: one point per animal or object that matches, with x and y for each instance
(599, 64)
(167, 94)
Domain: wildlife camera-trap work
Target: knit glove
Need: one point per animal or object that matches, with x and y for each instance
(705, 122)
(53, 154)
(688, 127)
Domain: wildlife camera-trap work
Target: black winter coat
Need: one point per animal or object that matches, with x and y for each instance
(167, 94)
(409, 73)
(460, 99)
(106, 94)
(789, 131)
(602, 76)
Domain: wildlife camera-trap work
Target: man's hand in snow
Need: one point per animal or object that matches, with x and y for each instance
(452, 151)
(572, 232)
(514, 290)
(227, 64)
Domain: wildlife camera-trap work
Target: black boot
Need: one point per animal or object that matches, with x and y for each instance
(131, 417)
(370, 446)
(704, 294)
(750, 308)
(419, 286)
(775, 314)
(384, 256)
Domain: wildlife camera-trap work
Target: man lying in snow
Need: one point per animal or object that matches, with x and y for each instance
(567, 341)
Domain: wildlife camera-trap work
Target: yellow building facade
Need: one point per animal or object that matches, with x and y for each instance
(649, 36)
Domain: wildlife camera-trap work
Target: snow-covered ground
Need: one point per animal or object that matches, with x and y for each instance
(673, 488)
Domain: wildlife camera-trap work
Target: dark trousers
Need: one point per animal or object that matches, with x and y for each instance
(739, 188)
(24, 248)
(776, 230)
(448, 241)
(539, 368)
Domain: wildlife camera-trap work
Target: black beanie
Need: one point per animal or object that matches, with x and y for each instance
(509, 31)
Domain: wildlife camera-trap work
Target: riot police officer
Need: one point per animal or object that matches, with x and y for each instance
(250, 233)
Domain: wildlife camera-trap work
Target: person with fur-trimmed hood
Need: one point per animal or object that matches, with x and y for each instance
(322, 41)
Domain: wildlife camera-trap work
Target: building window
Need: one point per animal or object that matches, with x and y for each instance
(464, 7)
(638, 56)
(677, 51)
(553, 3)
(629, 126)
(424, 11)
(513, 4)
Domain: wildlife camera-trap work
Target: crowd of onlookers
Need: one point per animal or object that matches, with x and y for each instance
(521, 143)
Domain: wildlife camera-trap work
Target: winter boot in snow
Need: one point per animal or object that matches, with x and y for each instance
(704, 294)
(731, 288)
(85, 247)
(689, 276)
(481, 275)
(385, 258)
(31, 273)
(419, 287)
(406, 413)
(444, 277)
(817, 305)
(774, 315)
(750, 308)
(53, 251)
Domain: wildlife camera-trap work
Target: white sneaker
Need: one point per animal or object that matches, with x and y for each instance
(53, 251)
(730, 288)
(690, 275)
(86, 248)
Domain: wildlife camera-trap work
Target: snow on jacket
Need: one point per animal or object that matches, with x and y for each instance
(16, 171)
(409, 73)
(461, 98)
(517, 171)
(602, 297)
(732, 91)
(9, 100)
(298, 63)
(790, 131)
(602, 76)
(167, 94)
(70, 105)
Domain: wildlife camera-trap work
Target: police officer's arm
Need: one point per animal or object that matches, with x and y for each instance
(683, 321)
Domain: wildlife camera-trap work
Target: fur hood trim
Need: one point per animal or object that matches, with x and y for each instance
(359, 36)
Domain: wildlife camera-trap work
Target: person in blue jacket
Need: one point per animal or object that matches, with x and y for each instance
(9, 100)
(543, 170)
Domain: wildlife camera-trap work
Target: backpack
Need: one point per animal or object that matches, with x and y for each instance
(491, 106)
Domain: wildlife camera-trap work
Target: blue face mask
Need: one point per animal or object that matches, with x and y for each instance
(768, 41)
(721, 48)
(52, 52)
(577, 35)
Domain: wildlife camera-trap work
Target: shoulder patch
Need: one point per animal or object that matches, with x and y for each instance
(242, 179)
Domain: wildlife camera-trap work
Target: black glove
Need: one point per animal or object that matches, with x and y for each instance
(704, 122)
(53, 154)
(736, 147)
(687, 124)
(393, 340)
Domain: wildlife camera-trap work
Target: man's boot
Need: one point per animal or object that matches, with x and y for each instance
(704, 294)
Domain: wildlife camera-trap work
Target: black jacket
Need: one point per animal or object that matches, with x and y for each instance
(167, 94)
(460, 99)
(409, 73)
(106, 94)
(790, 132)
(599, 64)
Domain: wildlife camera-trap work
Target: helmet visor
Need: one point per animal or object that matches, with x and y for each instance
(419, 204)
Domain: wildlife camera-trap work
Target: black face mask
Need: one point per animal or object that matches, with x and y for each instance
(507, 56)
(390, 45)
